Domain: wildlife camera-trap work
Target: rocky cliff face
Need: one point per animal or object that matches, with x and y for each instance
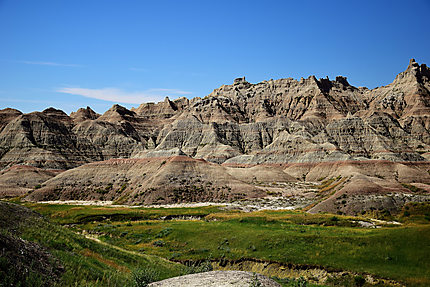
(276, 121)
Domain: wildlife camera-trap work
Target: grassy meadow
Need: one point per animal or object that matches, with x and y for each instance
(397, 252)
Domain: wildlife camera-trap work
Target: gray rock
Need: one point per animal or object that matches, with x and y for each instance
(217, 279)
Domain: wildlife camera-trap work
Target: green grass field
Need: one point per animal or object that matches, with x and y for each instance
(401, 253)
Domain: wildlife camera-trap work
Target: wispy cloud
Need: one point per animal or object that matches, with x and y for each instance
(120, 96)
(42, 63)
(169, 91)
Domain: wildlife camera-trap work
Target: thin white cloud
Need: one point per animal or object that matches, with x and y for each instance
(120, 96)
(171, 91)
(42, 63)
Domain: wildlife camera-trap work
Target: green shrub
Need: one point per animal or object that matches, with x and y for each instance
(292, 282)
(413, 188)
(334, 218)
(158, 243)
(123, 187)
(142, 277)
(301, 282)
(101, 191)
(199, 267)
(359, 280)
(163, 233)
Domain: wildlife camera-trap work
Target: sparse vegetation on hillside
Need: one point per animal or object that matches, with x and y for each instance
(413, 188)
(83, 262)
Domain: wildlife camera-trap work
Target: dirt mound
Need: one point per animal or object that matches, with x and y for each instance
(147, 181)
(19, 179)
(347, 187)
(360, 193)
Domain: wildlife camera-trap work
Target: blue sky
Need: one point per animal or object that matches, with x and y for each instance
(71, 54)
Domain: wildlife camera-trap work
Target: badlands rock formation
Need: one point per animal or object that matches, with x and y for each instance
(152, 180)
(311, 130)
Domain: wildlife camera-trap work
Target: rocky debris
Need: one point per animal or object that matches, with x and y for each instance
(218, 279)
(272, 203)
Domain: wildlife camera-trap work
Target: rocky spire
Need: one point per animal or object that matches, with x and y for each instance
(342, 80)
(415, 72)
(239, 80)
(84, 114)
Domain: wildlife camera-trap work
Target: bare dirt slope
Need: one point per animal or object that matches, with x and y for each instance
(147, 181)
(20, 179)
(352, 187)
(337, 187)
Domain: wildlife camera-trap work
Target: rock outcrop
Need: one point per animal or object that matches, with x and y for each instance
(83, 115)
(285, 122)
(276, 121)
(218, 279)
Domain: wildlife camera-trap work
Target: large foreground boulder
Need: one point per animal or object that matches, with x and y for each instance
(218, 279)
